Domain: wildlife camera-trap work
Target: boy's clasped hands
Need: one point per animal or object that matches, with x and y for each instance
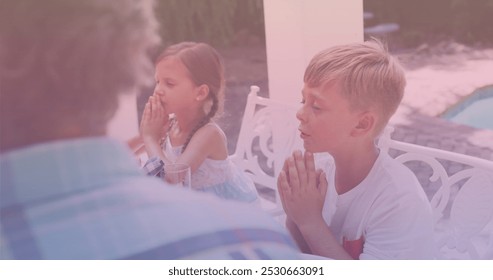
(302, 189)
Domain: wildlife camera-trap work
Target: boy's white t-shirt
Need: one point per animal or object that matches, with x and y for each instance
(388, 209)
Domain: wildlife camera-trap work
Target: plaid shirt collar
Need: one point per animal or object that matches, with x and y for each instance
(57, 168)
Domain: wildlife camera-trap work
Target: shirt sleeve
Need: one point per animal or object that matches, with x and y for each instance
(153, 166)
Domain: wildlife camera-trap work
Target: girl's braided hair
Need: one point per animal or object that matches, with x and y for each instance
(205, 67)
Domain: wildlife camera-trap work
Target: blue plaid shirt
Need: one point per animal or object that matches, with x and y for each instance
(87, 199)
(154, 167)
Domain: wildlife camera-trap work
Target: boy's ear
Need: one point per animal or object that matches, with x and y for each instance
(202, 93)
(366, 124)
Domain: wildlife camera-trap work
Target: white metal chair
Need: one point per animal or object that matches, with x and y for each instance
(267, 135)
(462, 205)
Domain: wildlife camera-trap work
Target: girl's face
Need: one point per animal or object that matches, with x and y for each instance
(174, 87)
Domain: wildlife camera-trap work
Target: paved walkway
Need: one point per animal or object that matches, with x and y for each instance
(438, 84)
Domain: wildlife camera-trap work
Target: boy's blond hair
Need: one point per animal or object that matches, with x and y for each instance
(368, 75)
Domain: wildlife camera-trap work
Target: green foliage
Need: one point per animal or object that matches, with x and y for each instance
(212, 21)
(227, 22)
(468, 21)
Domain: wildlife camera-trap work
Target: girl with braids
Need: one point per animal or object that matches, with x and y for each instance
(190, 85)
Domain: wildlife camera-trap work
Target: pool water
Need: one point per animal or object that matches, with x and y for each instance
(476, 110)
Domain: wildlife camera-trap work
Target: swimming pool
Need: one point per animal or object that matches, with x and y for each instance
(476, 110)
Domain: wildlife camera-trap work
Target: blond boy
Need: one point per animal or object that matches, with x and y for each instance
(364, 204)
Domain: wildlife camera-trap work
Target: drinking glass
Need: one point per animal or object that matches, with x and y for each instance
(178, 174)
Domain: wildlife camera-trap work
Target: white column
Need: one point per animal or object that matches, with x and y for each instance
(295, 30)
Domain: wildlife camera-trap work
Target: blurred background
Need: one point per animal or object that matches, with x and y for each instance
(440, 35)
(229, 23)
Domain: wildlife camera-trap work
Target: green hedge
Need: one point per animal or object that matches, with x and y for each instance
(218, 22)
(467, 21)
(230, 22)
